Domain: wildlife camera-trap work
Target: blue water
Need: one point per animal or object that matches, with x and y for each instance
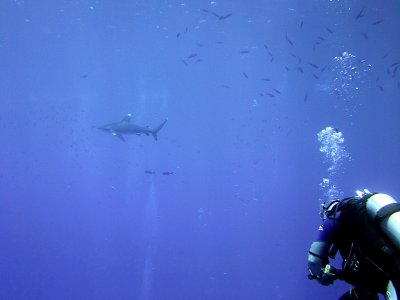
(80, 218)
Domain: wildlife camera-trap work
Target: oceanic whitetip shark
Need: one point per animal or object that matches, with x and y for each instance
(125, 126)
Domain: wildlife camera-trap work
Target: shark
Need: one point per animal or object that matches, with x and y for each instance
(123, 127)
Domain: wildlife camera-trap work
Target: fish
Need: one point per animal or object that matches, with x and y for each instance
(272, 57)
(305, 97)
(360, 14)
(220, 18)
(244, 51)
(315, 76)
(329, 30)
(245, 75)
(313, 65)
(300, 69)
(150, 172)
(167, 173)
(289, 40)
(395, 71)
(184, 62)
(364, 35)
(266, 79)
(271, 95)
(83, 76)
(377, 22)
(277, 91)
(301, 24)
(386, 55)
(192, 55)
(380, 88)
(125, 126)
(394, 64)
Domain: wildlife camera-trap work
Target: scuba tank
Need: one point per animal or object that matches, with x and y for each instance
(385, 211)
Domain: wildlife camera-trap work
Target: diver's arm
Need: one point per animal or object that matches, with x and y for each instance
(319, 253)
(318, 258)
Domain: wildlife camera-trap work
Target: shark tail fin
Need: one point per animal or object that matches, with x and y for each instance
(157, 129)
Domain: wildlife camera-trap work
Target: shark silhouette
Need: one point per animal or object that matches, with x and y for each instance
(125, 126)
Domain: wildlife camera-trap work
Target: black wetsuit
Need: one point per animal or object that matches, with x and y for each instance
(369, 262)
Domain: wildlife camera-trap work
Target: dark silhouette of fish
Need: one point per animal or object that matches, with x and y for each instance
(271, 95)
(277, 91)
(220, 18)
(168, 173)
(244, 51)
(313, 65)
(184, 62)
(289, 40)
(300, 69)
(150, 172)
(301, 24)
(395, 71)
(272, 57)
(245, 75)
(305, 97)
(266, 79)
(364, 35)
(380, 88)
(84, 76)
(386, 55)
(360, 14)
(329, 30)
(192, 55)
(377, 22)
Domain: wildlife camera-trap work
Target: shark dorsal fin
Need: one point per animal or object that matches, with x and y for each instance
(127, 118)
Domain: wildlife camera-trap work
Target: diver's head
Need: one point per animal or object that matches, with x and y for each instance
(327, 208)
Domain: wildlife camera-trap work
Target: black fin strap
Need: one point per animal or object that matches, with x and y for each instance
(316, 255)
(386, 211)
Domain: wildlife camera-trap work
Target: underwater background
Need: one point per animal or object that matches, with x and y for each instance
(273, 106)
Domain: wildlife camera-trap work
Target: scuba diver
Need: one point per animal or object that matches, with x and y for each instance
(365, 229)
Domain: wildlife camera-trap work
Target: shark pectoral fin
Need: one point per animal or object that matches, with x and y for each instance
(120, 136)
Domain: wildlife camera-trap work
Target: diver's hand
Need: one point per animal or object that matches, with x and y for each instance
(330, 275)
(327, 279)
